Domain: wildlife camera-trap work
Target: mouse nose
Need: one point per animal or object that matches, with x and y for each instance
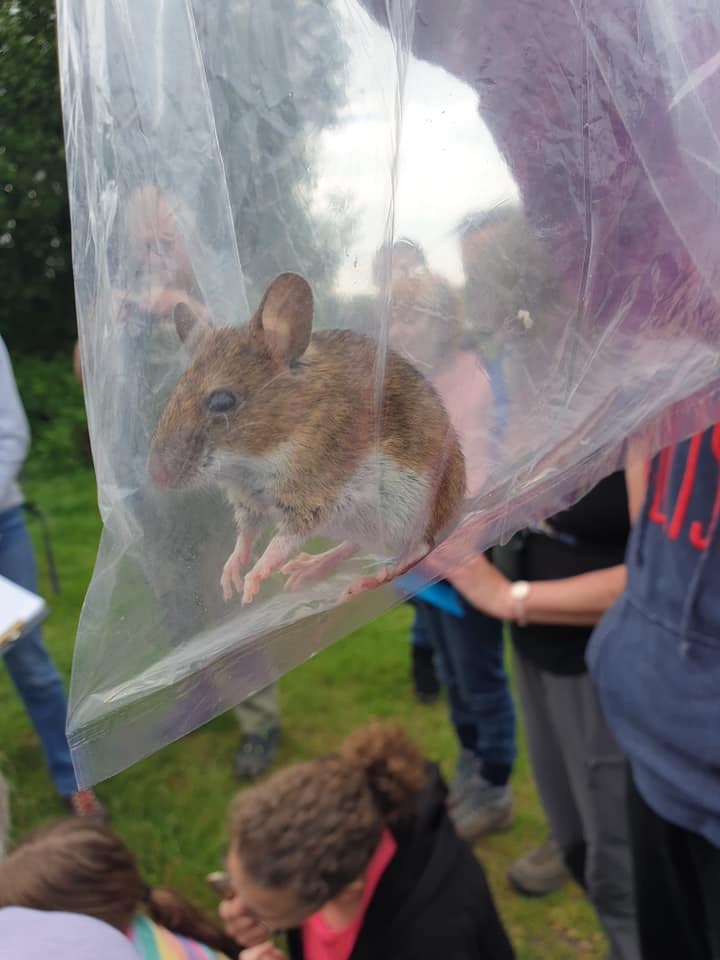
(176, 462)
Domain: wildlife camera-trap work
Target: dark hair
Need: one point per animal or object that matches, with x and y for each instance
(78, 866)
(404, 243)
(313, 827)
(385, 253)
(491, 217)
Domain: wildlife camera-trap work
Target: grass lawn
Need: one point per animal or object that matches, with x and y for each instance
(171, 807)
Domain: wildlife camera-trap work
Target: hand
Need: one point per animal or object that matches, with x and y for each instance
(161, 301)
(242, 926)
(265, 951)
(484, 587)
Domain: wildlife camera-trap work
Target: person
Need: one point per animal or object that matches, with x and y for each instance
(426, 327)
(27, 661)
(353, 855)
(161, 275)
(425, 682)
(654, 655)
(655, 658)
(259, 721)
(569, 569)
(392, 264)
(82, 867)
(36, 935)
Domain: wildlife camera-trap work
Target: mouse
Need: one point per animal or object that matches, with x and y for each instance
(316, 433)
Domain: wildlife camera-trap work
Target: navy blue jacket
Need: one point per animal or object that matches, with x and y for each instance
(655, 656)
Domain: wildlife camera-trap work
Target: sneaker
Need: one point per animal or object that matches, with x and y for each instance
(484, 808)
(84, 803)
(466, 766)
(426, 685)
(540, 871)
(255, 753)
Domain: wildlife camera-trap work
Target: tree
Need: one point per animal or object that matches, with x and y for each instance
(37, 313)
(275, 71)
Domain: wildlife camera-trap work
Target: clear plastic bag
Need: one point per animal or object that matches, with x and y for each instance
(508, 210)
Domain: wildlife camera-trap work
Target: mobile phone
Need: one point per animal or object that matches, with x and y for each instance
(220, 883)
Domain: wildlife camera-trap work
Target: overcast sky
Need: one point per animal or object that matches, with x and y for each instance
(448, 165)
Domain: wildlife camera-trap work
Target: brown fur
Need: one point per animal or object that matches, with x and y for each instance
(326, 403)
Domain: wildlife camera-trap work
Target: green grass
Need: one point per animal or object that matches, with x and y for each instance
(171, 807)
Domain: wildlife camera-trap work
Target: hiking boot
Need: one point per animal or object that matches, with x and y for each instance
(466, 766)
(483, 808)
(540, 871)
(255, 753)
(426, 685)
(84, 803)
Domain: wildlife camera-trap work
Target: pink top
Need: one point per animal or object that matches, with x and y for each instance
(466, 392)
(321, 942)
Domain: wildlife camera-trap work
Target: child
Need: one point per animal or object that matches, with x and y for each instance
(77, 866)
(354, 856)
(36, 935)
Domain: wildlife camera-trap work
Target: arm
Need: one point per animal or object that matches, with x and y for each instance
(14, 430)
(162, 301)
(636, 483)
(572, 601)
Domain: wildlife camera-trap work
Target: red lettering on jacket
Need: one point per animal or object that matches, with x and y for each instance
(683, 497)
(663, 468)
(697, 537)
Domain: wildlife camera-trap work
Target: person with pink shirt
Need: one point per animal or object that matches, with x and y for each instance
(426, 328)
(353, 856)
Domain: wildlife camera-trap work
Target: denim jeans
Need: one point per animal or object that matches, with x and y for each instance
(469, 658)
(418, 633)
(28, 662)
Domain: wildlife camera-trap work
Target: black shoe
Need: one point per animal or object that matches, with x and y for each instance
(426, 685)
(255, 753)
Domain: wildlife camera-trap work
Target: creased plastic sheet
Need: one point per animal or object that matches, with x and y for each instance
(494, 227)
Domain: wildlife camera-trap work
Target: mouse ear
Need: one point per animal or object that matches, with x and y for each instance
(283, 322)
(189, 326)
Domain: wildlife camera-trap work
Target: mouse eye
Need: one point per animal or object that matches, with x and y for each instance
(221, 401)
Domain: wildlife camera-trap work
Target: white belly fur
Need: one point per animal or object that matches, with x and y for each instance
(383, 508)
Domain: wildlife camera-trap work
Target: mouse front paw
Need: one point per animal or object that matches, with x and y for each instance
(251, 586)
(232, 575)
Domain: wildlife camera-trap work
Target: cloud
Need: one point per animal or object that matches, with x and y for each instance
(447, 162)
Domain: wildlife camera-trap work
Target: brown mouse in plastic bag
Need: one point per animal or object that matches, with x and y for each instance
(318, 434)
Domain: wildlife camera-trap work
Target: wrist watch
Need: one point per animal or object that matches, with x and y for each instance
(518, 596)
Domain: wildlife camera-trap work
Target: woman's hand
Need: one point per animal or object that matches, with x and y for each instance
(242, 926)
(264, 951)
(484, 587)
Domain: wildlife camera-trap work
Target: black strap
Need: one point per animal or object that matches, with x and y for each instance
(36, 512)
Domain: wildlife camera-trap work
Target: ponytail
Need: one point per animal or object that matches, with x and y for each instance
(312, 828)
(178, 915)
(392, 764)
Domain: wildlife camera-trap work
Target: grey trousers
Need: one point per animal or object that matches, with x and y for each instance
(580, 775)
(4, 816)
(259, 713)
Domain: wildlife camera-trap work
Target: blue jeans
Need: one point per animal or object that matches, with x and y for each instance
(469, 657)
(28, 662)
(418, 634)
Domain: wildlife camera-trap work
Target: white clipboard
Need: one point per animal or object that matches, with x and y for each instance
(20, 611)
